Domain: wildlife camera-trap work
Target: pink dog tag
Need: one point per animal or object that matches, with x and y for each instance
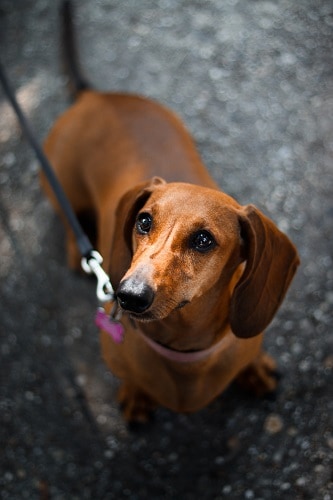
(113, 328)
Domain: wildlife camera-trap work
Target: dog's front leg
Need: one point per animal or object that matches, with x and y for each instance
(259, 377)
(136, 405)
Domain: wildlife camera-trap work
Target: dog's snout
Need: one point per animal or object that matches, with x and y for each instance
(135, 296)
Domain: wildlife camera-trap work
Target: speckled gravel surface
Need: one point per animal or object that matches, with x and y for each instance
(254, 83)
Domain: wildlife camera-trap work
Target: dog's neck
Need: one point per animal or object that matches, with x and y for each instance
(188, 356)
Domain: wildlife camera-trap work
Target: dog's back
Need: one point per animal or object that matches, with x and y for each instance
(127, 135)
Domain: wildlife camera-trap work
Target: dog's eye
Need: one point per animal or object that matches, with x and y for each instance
(143, 223)
(202, 241)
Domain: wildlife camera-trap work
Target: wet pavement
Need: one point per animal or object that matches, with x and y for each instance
(253, 81)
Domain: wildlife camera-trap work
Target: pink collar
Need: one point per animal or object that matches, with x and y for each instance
(187, 357)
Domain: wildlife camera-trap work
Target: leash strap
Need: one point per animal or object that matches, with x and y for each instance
(91, 259)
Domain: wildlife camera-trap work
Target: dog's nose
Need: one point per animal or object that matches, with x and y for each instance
(134, 296)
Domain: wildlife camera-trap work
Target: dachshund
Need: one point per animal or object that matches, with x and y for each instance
(198, 276)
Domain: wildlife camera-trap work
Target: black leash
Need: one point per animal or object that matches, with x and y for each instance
(91, 259)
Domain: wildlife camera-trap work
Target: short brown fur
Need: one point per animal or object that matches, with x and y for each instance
(106, 150)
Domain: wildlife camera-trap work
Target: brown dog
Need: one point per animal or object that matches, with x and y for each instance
(198, 276)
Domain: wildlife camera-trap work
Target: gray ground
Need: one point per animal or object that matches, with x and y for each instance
(254, 83)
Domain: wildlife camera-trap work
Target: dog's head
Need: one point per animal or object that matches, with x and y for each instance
(175, 243)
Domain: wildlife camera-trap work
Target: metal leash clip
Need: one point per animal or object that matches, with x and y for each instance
(109, 323)
(92, 265)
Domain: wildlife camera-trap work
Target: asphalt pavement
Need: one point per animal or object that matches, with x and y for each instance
(253, 82)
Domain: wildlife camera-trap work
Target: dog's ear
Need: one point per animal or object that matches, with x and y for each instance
(128, 207)
(271, 262)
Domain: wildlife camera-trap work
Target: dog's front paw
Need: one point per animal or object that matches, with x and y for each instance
(260, 377)
(136, 406)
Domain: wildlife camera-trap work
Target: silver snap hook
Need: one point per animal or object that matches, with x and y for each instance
(92, 265)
